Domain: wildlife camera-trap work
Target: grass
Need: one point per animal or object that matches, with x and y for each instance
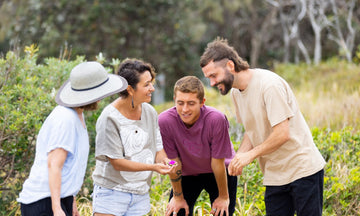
(328, 94)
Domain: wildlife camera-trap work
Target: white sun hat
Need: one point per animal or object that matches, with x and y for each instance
(89, 82)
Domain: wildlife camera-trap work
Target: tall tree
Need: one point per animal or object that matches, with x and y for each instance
(249, 25)
(157, 31)
(344, 37)
(317, 14)
(172, 34)
(292, 14)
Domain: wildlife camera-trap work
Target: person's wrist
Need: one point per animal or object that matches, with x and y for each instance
(179, 196)
(56, 208)
(224, 196)
(153, 167)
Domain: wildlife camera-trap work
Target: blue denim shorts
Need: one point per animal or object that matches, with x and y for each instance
(108, 201)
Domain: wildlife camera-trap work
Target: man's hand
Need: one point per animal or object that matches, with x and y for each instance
(220, 207)
(239, 162)
(246, 153)
(175, 205)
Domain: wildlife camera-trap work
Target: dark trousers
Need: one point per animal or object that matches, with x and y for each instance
(193, 185)
(303, 196)
(43, 207)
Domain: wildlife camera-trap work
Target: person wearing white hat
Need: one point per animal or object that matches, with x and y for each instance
(62, 145)
(128, 146)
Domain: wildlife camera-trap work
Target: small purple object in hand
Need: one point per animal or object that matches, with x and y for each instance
(172, 163)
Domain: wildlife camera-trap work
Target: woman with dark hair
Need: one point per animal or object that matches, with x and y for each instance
(128, 146)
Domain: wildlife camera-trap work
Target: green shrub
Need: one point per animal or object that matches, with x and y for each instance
(342, 179)
(27, 97)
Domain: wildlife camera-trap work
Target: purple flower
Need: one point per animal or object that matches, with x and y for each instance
(172, 163)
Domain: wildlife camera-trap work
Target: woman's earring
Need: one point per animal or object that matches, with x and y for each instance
(132, 102)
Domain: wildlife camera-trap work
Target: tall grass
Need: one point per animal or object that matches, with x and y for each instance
(328, 94)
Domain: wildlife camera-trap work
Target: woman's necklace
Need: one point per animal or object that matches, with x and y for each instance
(126, 110)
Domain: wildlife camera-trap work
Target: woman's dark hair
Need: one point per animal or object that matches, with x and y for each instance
(131, 69)
(90, 107)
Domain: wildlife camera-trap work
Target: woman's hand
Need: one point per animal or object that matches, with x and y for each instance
(164, 169)
(75, 209)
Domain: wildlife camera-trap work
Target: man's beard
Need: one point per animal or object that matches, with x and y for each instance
(227, 82)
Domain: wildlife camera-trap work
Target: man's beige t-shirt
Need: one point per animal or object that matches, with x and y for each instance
(266, 102)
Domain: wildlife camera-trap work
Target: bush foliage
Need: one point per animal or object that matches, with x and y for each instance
(27, 97)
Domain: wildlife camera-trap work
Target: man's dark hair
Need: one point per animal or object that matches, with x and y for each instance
(218, 50)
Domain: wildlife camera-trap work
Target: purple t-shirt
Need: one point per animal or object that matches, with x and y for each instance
(195, 146)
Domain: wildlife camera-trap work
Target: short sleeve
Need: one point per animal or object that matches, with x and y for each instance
(159, 142)
(108, 140)
(221, 145)
(278, 104)
(168, 143)
(61, 133)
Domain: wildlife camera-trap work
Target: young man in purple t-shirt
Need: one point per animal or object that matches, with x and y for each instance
(197, 138)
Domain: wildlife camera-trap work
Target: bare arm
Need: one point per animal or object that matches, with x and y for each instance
(161, 157)
(244, 147)
(75, 209)
(56, 159)
(277, 138)
(177, 202)
(221, 203)
(128, 165)
(245, 144)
